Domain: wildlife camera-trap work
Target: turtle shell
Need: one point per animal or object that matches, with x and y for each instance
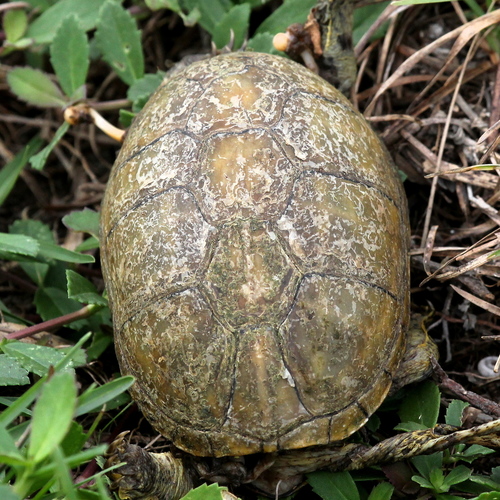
(254, 248)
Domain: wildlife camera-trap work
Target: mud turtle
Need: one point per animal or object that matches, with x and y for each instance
(255, 250)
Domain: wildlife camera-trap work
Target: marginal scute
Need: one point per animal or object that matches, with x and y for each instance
(314, 432)
(176, 100)
(223, 444)
(189, 381)
(254, 245)
(170, 161)
(348, 418)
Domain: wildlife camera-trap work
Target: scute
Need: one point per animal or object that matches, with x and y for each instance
(243, 175)
(170, 244)
(190, 379)
(322, 141)
(250, 279)
(333, 226)
(254, 246)
(335, 340)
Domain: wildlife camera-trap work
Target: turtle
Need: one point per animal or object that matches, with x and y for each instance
(255, 249)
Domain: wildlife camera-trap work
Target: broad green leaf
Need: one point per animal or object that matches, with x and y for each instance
(79, 357)
(292, 11)
(382, 491)
(363, 19)
(210, 13)
(205, 492)
(333, 485)
(95, 398)
(189, 19)
(224, 4)
(495, 474)
(43, 29)
(410, 426)
(263, 42)
(417, 2)
(422, 482)
(18, 244)
(475, 451)
(74, 440)
(192, 18)
(490, 495)
(126, 117)
(119, 41)
(34, 358)
(82, 290)
(436, 478)
(33, 228)
(140, 90)
(486, 482)
(255, 3)
(37, 271)
(21, 44)
(38, 161)
(458, 475)
(89, 244)
(53, 302)
(9, 452)
(237, 20)
(35, 87)
(373, 424)
(43, 5)
(11, 372)
(52, 415)
(69, 54)
(7, 493)
(79, 94)
(53, 251)
(446, 496)
(164, 4)
(421, 404)
(86, 221)
(10, 172)
(15, 22)
(9, 317)
(23, 402)
(100, 341)
(425, 464)
(454, 412)
(19, 430)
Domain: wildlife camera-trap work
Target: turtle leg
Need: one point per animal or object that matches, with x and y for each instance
(420, 355)
(337, 64)
(153, 476)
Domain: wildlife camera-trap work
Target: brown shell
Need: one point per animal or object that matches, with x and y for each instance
(254, 247)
